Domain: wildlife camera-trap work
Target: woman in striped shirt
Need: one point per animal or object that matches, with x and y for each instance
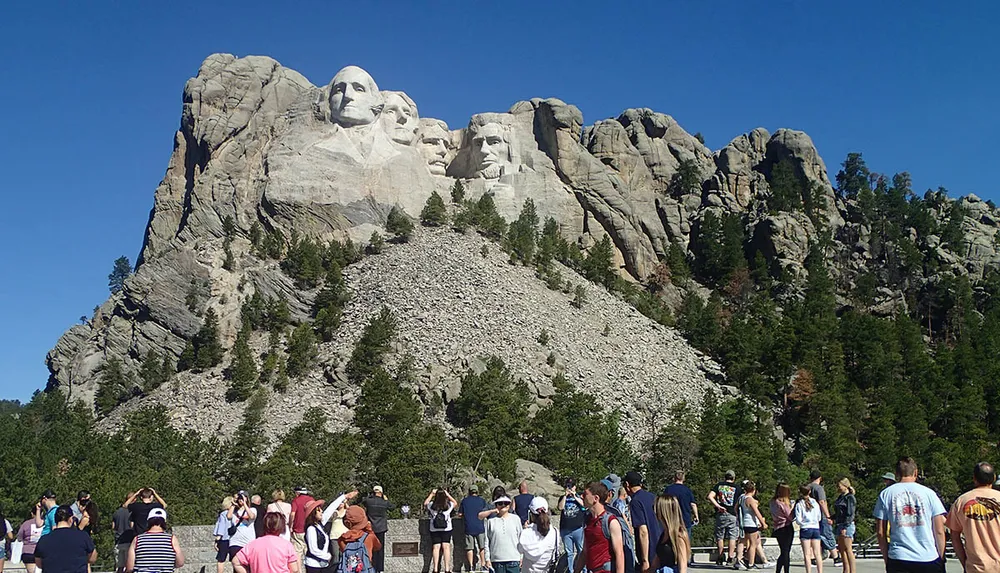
(155, 551)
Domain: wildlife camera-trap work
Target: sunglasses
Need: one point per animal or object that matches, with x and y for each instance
(503, 503)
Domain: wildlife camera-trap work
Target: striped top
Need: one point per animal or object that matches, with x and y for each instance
(154, 553)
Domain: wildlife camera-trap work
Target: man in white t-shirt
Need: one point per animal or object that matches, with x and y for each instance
(916, 517)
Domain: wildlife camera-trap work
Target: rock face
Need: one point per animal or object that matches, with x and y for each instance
(258, 143)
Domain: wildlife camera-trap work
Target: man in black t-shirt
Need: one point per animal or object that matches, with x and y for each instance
(148, 500)
(66, 549)
(723, 497)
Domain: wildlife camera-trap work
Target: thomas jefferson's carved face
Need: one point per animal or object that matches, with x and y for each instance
(490, 150)
(354, 97)
(399, 117)
(435, 143)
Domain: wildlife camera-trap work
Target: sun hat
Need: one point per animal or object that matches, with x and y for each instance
(538, 504)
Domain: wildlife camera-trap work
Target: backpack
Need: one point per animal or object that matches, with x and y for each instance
(628, 542)
(354, 558)
(440, 521)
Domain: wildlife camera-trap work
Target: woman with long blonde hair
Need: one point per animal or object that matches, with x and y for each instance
(673, 549)
(844, 509)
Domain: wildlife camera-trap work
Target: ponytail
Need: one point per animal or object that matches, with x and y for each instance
(804, 496)
(542, 522)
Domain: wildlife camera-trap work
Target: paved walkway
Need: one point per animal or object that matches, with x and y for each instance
(864, 566)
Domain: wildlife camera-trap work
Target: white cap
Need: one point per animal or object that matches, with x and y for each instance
(157, 512)
(377, 489)
(501, 499)
(538, 505)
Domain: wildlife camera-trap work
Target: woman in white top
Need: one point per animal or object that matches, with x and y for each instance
(539, 540)
(319, 544)
(279, 505)
(242, 515)
(440, 504)
(807, 515)
(751, 522)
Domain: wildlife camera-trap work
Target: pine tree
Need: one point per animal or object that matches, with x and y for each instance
(680, 271)
(113, 387)
(399, 225)
(242, 372)
(208, 348)
(187, 358)
(302, 350)
(121, 271)
(854, 177)
(599, 264)
(786, 188)
(152, 372)
(520, 241)
(376, 244)
(686, 180)
(372, 346)
(457, 192)
(434, 213)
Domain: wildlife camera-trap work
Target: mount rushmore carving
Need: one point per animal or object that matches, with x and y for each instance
(260, 144)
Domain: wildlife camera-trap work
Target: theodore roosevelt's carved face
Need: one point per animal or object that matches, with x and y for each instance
(354, 97)
(435, 145)
(399, 117)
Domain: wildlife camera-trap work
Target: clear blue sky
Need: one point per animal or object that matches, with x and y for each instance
(91, 98)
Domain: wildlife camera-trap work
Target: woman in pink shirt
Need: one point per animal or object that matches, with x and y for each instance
(784, 532)
(270, 553)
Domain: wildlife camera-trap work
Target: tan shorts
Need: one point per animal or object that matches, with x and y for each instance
(299, 543)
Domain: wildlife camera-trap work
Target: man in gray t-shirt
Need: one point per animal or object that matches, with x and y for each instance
(817, 492)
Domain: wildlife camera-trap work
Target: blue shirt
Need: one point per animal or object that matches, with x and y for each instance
(470, 508)
(50, 520)
(521, 504)
(685, 497)
(641, 507)
(910, 509)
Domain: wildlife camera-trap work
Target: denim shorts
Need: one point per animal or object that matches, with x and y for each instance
(809, 534)
(845, 530)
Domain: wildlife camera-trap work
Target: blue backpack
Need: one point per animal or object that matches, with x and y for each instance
(354, 558)
(628, 542)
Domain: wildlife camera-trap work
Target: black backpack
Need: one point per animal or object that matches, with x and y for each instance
(440, 521)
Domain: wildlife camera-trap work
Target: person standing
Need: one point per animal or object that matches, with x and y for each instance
(148, 500)
(121, 521)
(358, 543)
(319, 546)
(916, 516)
(974, 521)
(268, 553)
(808, 516)
(538, 543)
(279, 505)
(242, 516)
(723, 498)
(257, 504)
(784, 530)
(572, 516)
(521, 502)
(440, 504)
(751, 522)
(603, 547)
(645, 526)
(46, 518)
(65, 549)
(221, 533)
(818, 492)
(673, 548)
(85, 512)
(844, 510)
(28, 534)
(475, 529)
(503, 531)
(378, 506)
(155, 550)
(685, 497)
(614, 505)
(298, 517)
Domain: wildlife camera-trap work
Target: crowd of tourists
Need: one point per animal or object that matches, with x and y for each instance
(614, 525)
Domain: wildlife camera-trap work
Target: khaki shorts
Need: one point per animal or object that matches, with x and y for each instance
(299, 543)
(475, 542)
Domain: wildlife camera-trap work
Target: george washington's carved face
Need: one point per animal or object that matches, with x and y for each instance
(354, 97)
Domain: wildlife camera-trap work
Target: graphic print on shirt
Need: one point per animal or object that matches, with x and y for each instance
(571, 510)
(727, 494)
(908, 510)
(982, 509)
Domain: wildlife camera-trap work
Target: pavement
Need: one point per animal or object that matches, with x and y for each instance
(864, 566)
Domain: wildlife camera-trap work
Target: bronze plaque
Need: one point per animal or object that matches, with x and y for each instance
(405, 548)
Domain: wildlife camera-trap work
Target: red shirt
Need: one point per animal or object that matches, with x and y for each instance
(299, 508)
(598, 546)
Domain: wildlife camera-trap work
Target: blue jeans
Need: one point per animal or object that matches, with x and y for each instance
(573, 542)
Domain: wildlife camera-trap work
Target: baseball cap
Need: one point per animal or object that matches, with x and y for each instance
(889, 476)
(301, 489)
(49, 494)
(633, 478)
(815, 474)
(157, 512)
(538, 504)
(377, 489)
(473, 488)
(613, 482)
